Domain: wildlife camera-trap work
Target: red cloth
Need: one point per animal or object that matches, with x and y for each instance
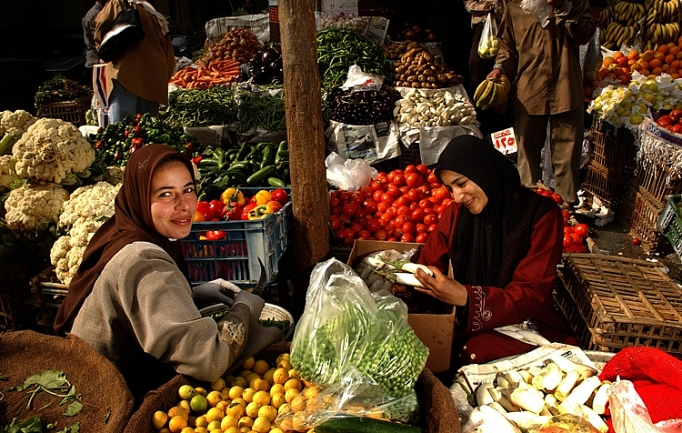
(657, 377)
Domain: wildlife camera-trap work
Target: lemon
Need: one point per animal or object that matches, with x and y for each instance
(233, 429)
(277, 388)
(236, 410)
(283, 409)
(238, 381)
(214, 414)
(311, 391)
(187, 430)
(219, 384)
(252, 409)
(260, 384)
(248, 394)
(282, 357)
(276, 430)
(200, 430)
(236, 392)
(250, 377)
(200, 390)
(214, 397)
(280, 376)
(223, 405)
(293, 374)
(201, 421)
(248, 364)
(214, 425)
(299, 421)
(186, 392)
(245, 373)
(198, 403)
(290, 394)
(268, 412)
(229, 421)
(261, 367)
(245, 421)
(159, 419)
(261, 425)
(285, 364)
(278, 400)
(292, 384)
(268, 376)
(178, 411)
(241, 401)
(262, 398)
(297, 403)
(177, 423)
(286, 424)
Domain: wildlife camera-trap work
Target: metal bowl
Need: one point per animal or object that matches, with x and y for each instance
(270, 311)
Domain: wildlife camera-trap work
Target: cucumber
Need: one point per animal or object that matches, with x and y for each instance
(354, 424)
(276, 182)
(260, 175)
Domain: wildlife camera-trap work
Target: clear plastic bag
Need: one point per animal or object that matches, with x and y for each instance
(489, 44)
(348, 174)
(630, 415)
(355, 345)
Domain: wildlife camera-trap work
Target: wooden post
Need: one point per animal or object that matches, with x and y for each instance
(305, 132)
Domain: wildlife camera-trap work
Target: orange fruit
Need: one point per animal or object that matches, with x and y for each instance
(660, 55)
(624, 79)
(670, 58)
(608, 61)
(679, 41)
(675, 64)
(618, 55)
(643, 64)
(633, 55)
(665, 67)
(655, 63)
(656, 71)
(678, 56)
(645, 72)
(647, 55)
(675, 50)
(674, 76)
(663, 49)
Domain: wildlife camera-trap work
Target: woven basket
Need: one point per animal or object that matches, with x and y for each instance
(107, 402)
(68, 111)
(616, 302)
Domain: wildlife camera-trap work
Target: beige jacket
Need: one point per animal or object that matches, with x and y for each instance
(477, 10)
(145, 68)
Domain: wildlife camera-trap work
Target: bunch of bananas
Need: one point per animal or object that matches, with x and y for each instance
(617, 34)
(605, 18)
(492, 93)
(662, 22)
(628, 13)
(661, 34)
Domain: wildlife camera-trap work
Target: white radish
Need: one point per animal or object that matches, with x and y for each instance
(567, 365)
(551, 404)
(407, 279)
(498, 407)
(527, 420)
(526, 399)
(413, 267)
(552, 377)
(483, 397)
(566, 385)
(594, 419)
(601, 398)
(581, 393)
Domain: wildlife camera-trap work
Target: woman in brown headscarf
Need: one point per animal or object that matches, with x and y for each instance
(131, 298)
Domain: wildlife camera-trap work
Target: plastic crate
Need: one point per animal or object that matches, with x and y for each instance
(235, 258)
(639, 214)
(616, 302)
(659, 166)
(606, 184)
(613, 148)
(670, 223)
(68, 111)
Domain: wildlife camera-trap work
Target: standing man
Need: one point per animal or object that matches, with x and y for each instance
(539, 54)
(88, 21)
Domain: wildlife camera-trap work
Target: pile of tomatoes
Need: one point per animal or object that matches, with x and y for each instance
(574, 234)
(403, 205)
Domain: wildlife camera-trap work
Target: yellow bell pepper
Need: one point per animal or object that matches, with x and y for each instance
(260, 212)
(232, 195)
(262, 197)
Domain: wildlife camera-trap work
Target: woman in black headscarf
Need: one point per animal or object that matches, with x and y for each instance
(131, 298)
(504, 242)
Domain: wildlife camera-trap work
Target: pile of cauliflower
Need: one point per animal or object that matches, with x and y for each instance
(15, 123)
(84, 212)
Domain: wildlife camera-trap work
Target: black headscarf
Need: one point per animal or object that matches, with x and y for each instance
(132, 221)
(488, 247)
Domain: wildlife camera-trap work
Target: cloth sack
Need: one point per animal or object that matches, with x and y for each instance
(125, 30)
(657, 377)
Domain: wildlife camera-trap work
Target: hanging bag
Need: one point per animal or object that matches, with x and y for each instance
(489, 45)
(125, 30)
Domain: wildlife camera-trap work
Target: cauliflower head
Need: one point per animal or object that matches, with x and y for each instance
(67, 252)
(16, 123)
(31, 206)
(6, 172)
(88, 203)
(50, 150)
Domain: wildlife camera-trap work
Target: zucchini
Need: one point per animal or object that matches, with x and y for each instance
(276, 182)
(354, 424)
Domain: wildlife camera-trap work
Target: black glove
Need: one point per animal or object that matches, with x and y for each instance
(214, 292)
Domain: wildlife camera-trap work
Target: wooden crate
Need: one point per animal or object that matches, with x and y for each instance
(613, 148)
(639, 215)
(68, 111)
(616, 302)
(606, 184)
(659, 167)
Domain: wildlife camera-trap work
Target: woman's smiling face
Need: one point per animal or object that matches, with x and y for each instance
(173, 200)
(464, 191)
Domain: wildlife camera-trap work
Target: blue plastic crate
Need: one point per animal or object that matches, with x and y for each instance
(235, 258)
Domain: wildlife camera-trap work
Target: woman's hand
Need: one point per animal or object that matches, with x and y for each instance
(441, 287)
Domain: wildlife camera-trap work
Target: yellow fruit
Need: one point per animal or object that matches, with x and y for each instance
(200, 430)
(276, 430)
(240, 401)
(293, 374)
(214, 414)
(293, 384)
(201, 421)
(311, 391)
(165, 430)
(285, 364)
(261, 425)
(236, 410)
(245, 421)
(248, 364)
(186, 392)
(223, 405)
(262, 398)
(297, 404)
(201, 390)
(259, 384)
(229, 421)
(290, 394)
(278, 400)
(299, 421)
(219, 384)
(198, 404)
(177, 423)
(283, 409)
(185, 405)
(214, 397)
(252, 409)
(245, 373)
(286, 424)
(282, 357)
(248, 394)
(245, 429)
(233, 429)
(268, 412)
(261, 367)
(277, 388)
(159, 419)
(238, 381)
(268, 376)
(178, 411)
(213, 426)
(280, 376)
(236, 392)
(187, 430)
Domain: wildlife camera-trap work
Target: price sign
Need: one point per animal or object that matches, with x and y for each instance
(504, 141)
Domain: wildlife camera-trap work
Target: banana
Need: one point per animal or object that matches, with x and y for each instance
(494, 95)
(485, 93)
(479, 91)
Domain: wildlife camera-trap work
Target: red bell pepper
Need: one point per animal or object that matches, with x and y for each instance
(204, 208)
(232, 212)
(281, 196)
(215, 209)
(215, 235)
(274, 205)
(246, 209)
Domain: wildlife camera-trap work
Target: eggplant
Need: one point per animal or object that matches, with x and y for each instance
(270, 55)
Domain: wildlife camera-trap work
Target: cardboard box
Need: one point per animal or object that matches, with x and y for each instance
(436, 331)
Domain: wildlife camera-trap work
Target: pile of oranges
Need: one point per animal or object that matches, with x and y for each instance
(650, 63)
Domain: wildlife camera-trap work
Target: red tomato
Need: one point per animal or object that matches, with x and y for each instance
(556, 197)
(345, 220)
(432, 178)
(429, 210)
(204, 208)
(381, 235)
(371, 206)
(425, 189)
(280, 195)
(373, 225)
(386, 198)
(362, 234)
(334, 222)
(424, 203)
(392, 239)
(430, 219)
(413, 180)
(333, 202)
(577, 239)
(350, 209)
(377, 195)
(636, 241)
(432, 228)
(275, 206)
(414, 195)
(378, 185)
(418, 215)
(407, 237)
(568, 241)
(414, 205)
(566, 214)
(440, 194)
(400, 220)
(367, 192)
(391, 176)
(348, 242)
(404, 210)
(345, 196)
(385, 218)
(581, 229)
(410, 169)
(423, 170)
(340, 234)
(446, 202)
(421, 238)
(215, 235)
(356, 227)
(408, 227)
(393, 191)
(361, 213)
(398, 180)
(420, 228)
(575, 248)
(383, 207)
(337, 210)
(404, 189)
(568, 230)
(383, 177)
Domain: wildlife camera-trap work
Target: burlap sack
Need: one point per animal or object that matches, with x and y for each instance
(107, 402)
(438, 407)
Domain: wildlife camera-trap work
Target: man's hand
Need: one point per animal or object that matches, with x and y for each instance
(494, 74)
(441, 287)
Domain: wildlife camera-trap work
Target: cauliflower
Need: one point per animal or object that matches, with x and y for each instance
(89, 203)
(16, 123)
(67, 252)
(114, 175)
(31, 206)
(7, 175)
(50, 150)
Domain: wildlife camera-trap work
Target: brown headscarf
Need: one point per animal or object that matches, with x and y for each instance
(132, 221)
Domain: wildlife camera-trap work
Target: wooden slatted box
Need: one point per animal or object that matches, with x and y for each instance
(614, 302)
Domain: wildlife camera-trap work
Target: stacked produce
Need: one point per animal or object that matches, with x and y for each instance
(492, 93)
(215, 73)
(343, 21)
(605, 17)
(437, 108)
(417, 69)
(394, 50)
(622, 30)
(265, 67)
(238, 44)
(59, 89)
(263, 110)
(398, 206)
(338, 50)
(12, 127)
(362, 107)
(662, 22)
(233, 205)
(194, 107)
